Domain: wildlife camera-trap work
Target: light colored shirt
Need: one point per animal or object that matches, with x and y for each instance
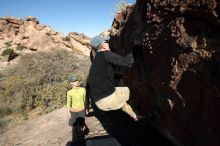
(76, 98)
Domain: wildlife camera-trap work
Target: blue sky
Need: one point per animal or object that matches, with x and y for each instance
(83, 16)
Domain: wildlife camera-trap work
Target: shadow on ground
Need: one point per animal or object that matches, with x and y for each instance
(124, 131)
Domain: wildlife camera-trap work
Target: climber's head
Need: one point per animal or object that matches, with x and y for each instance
(73, 81)
(100, 42)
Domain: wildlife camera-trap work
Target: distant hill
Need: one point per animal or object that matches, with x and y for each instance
(29, 35)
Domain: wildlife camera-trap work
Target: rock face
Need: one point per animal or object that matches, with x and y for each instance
(29, 34)
(177, 66)
(81, 41)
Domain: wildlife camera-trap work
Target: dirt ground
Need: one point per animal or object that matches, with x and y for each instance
(48, 130)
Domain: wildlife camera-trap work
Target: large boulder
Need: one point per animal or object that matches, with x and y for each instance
(177, 66)
(81, 41)
(80, 37)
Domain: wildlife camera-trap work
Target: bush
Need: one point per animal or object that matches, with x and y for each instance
(3, 124)
(120, 6)
(7, 52)
(48, 34)
(11, 54)
(40, 80)
(4, 111)
(66, 38)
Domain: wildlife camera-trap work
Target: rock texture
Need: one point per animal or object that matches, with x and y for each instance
(177, 66)
(29, 34)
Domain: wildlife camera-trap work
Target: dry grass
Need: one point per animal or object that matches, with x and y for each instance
(39, 81)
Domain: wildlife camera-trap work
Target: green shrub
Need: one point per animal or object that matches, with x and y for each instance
(7, 52)
(66, 38)
(48, 34)
(3, 124)
(4, 110)
(11, 54)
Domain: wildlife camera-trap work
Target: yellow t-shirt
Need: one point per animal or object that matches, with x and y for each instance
(76, 98)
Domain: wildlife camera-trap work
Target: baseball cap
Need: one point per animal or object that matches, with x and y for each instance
(72, 79)
(98, 40)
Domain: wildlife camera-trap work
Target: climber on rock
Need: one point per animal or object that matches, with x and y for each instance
(101, 78)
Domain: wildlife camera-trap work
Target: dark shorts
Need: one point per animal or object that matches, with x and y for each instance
(75, 115)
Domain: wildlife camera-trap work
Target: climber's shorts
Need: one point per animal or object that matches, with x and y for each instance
(114, 101)
(75, 116)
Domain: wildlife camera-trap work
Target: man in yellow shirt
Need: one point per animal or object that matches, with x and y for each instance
(76, 103)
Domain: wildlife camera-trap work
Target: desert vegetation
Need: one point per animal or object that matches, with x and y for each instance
(120, 6)
(39, 81)
(10, 53)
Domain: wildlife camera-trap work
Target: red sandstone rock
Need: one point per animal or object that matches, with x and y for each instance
(177, 68)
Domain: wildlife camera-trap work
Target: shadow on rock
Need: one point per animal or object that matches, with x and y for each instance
(124, 131)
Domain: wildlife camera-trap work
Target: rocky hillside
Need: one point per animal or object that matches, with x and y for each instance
(29, 35)
(177, 66)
